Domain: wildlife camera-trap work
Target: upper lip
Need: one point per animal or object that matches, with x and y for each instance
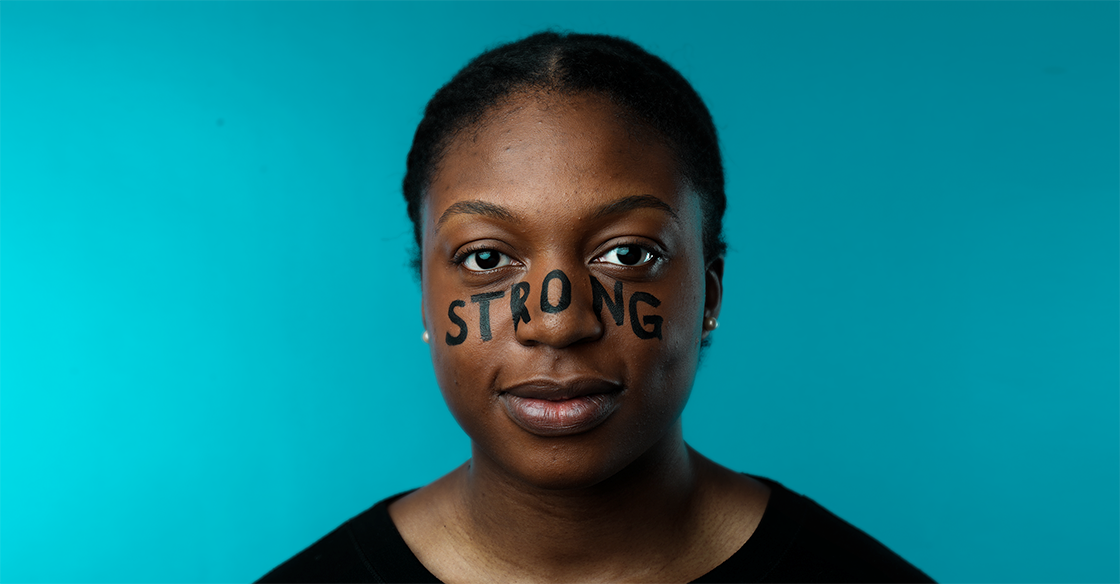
(561, 389)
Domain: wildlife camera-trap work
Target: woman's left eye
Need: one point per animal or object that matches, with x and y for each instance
(628, 255)
(485, 259)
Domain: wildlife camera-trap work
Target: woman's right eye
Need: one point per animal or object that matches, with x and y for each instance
(485, 259)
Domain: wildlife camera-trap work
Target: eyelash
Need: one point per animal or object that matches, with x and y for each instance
(649, 256)
(463, 256)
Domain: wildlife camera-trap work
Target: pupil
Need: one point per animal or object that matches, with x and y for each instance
(629, 255)
(487, 259)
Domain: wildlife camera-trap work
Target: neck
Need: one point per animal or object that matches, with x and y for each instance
(638, 513)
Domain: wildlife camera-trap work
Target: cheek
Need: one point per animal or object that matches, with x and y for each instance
(670, 363)
(459, 377)
(464, 369)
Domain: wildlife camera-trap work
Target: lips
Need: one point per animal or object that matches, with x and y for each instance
(548, 408)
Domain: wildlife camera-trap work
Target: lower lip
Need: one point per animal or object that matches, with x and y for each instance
(562, 417)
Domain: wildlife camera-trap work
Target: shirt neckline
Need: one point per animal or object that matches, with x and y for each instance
(379, 539)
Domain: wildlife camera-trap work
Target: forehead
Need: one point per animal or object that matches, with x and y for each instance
(539, 152)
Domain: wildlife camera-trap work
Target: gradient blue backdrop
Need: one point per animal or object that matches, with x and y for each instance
(211, 341)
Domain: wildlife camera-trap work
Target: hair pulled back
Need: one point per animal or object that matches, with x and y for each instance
(647, 88)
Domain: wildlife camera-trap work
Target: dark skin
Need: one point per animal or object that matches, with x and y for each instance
(562, 182)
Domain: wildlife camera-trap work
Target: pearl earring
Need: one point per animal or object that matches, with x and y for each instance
(710, 323)
(425, 337)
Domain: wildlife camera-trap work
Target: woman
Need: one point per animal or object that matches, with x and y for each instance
(567, 196)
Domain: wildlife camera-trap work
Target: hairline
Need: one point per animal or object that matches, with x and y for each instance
(552, 89)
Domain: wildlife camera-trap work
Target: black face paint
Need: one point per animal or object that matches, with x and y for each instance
(483, 301)
(565, 292)
(462, 336)
(599, 294)
(517, 296)
(651, 319)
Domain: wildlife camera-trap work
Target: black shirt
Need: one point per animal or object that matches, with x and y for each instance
(797, 540)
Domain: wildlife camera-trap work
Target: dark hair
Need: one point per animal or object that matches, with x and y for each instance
(647, 88)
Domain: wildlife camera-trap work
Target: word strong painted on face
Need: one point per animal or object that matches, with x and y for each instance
(556, 297)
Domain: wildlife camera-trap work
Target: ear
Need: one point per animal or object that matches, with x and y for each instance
(713, 288)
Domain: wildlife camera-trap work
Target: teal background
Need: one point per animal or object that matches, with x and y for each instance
(211, 339)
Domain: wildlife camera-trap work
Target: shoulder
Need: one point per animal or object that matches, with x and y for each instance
(828, 549)
(800, 541)
(367, 548)
(334, 558)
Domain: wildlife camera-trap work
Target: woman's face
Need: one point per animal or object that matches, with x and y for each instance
(564, 289)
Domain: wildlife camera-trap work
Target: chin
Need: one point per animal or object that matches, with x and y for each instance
(566, 475)
(564, 463)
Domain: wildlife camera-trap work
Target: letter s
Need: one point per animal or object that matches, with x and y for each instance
(455, 318)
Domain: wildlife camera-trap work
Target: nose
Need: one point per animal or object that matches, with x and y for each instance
(559, 312)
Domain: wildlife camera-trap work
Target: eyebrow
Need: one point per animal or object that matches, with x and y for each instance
(477, 208)
(635, 202)
(495, 211)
